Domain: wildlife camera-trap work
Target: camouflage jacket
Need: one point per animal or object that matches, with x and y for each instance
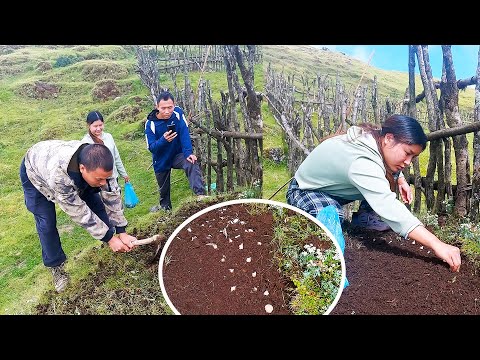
(47, 162)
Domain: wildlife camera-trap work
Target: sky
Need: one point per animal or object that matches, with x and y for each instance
(395, 57)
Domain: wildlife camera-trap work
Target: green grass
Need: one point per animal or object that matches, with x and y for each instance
(24, 282)
(315, 271)
(25, 121)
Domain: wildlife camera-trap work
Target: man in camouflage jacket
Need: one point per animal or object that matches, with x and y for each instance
(77, 177)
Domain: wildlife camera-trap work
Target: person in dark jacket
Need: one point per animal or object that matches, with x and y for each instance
(168, 139)
(78, 177)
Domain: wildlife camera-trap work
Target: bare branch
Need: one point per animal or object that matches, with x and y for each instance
(459, 130)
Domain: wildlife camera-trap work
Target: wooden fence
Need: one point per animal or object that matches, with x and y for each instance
(323, 105)
(228, 143)
(173, 59)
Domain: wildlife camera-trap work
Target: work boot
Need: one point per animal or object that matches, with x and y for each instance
(369, 220)
(60, 277)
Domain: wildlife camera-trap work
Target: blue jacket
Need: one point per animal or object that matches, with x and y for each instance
(162, 151)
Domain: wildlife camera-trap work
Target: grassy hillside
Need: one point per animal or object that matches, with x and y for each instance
(30, 115)
(46, 93)
(305, 60)
(308, 61)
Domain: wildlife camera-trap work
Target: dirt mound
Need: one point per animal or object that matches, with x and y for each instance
(105, 90)
(128, 113)
(39, 90)
(102, 70)
(44, 66)
(13, 64)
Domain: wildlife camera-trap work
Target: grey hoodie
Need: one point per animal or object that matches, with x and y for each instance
(350, 167)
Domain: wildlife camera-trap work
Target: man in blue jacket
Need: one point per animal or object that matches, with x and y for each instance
(168, 139)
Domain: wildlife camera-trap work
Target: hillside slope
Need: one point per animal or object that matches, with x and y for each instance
(310, 61)
(45, 93)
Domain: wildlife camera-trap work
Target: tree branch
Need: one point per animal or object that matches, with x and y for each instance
(473, 127)
(461, 84)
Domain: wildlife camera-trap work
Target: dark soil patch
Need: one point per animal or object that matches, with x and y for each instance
(223, 263)
(390, 275)
(106, 89)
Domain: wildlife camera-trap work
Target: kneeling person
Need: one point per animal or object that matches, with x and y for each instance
(168, 140)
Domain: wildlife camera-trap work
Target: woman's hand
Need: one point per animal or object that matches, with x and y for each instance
(448, 253)
(404, 190)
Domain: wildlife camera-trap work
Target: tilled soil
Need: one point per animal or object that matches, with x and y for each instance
(389, 275)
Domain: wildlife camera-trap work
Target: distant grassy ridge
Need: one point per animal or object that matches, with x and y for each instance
(307, 61)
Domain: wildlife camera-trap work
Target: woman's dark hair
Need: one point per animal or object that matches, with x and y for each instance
(165, 95)
(404, 129)
(94, 116)
(94, 156)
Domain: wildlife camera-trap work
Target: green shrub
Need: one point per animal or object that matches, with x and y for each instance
(66, 60)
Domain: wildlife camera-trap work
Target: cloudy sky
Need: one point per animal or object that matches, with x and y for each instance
(395, 57)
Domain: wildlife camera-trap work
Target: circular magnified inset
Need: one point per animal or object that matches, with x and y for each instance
(251, 257)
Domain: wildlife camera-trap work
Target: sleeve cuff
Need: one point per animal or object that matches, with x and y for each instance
(411, 229)
(108, 236)
(120, 229)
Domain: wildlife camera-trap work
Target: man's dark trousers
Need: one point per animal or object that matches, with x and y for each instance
(193, 173)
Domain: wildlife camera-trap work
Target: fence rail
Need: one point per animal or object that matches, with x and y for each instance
(324, 106)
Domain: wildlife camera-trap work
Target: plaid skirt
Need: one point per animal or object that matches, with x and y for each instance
(312, 201)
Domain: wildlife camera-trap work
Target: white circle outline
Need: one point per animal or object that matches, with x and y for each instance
(242, 201)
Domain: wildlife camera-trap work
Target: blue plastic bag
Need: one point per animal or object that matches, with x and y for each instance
(328, 216)
(131, 199)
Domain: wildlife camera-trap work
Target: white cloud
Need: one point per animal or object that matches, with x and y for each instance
(361, 53)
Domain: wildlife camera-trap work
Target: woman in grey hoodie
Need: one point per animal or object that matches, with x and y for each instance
(364, 164)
